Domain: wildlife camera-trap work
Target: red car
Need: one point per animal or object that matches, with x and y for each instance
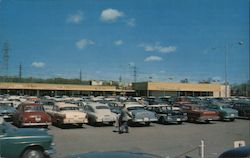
(30, 114)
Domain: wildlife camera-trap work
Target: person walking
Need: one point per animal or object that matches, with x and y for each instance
(123, 120)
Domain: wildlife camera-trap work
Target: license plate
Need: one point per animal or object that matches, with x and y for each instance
(232, 114)
(38, 119)
(178, 119)
(146, 119)
(5, 116)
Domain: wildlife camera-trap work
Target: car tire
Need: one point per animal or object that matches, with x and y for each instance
(33, 153)
(80, 124)
(232, 119)
(179, 123)
(161, 120)
(147, 123)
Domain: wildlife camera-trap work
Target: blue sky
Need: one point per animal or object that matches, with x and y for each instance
(166, 40)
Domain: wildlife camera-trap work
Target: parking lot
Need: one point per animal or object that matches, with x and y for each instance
(163, 140)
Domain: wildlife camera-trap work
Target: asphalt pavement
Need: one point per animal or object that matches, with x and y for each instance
(167, 141)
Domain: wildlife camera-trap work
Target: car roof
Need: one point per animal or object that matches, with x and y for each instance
(63, 104)
(95, 104)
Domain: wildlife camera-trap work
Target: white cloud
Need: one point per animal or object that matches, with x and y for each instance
(75, 18)
(131, 22)
(157, 47)
(109, 15)
(153, 58)
(84, 43)
(118, 42)
(38, 64)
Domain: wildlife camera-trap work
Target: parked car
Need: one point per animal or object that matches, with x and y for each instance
(140, 114)
(224, 111)
(64, 114)
(98, 113)
(168, 114)
(7, 111)
(31, 114)
(197, 113)
(24, 143)
(243, 108)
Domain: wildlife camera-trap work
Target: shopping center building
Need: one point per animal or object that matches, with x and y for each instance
(138, 89)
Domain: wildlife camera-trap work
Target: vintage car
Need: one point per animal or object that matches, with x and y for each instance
(243, 108)
(7, 110)
(64, 113)
(225, 112)
(168, 114)
(198, 113)
(140, 114)
(31, 114)
(99, 113)
(24, 143)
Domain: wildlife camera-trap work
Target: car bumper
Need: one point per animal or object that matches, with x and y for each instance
(50, 151)
(74, 121)
(145, 120)
(175, 119)
(36, 124)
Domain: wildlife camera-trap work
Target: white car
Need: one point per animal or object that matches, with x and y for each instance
(64, 113)
(99, 113)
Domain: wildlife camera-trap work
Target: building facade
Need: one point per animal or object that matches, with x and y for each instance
(180, 89)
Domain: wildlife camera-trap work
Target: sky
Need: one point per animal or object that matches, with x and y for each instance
(158, 40)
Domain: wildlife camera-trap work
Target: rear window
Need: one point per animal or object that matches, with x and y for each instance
(69, 108)
(33, 108)
(101, 107)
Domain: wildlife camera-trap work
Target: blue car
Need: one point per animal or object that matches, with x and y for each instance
(140, 114)
(7, 111)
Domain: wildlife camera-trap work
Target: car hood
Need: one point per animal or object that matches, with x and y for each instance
(229, 110)
(115, 154)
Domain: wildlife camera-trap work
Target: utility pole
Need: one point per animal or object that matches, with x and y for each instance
(20, 72)
(80, 75)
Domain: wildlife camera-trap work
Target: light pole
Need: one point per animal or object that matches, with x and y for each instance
(226, 63)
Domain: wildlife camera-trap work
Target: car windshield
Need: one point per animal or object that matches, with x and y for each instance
(136, 108)
(6, 104)
(69, 108)
(33, 108)
(102, 107)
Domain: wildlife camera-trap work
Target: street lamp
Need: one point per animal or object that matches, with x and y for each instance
(226, 47)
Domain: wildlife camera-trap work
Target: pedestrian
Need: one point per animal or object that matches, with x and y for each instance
(123, 120)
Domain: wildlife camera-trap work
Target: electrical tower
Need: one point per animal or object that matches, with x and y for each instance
(134, 73)
(5, 59)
